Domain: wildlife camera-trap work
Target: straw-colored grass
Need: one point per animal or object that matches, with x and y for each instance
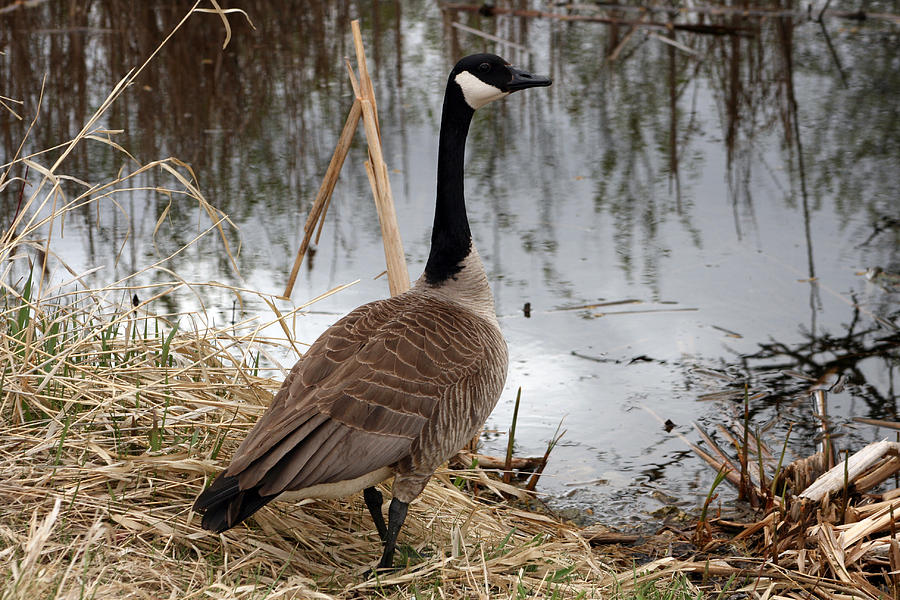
(108, 438)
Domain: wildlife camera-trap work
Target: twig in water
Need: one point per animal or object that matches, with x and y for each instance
(713, 29)
(490, 37)
(674, 44)
(597, 305)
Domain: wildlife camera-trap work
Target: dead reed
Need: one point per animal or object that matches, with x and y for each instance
(113, 426)
(825, 525)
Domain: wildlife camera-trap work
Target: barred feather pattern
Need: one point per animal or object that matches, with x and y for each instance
(403, 382)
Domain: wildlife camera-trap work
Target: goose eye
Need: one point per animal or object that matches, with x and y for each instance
(484, 67)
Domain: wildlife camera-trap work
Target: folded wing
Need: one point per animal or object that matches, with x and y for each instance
(353, 404)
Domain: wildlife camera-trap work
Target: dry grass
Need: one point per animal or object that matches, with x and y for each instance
(107, 442)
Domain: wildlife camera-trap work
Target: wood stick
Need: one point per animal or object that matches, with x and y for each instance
(748, 11)
(877, 475)
(857, 15)
(355, 85)
(731, 475)
(490, 37)
(692, 27)
(878, 422)
(674, 44)
(325, 190)
(833, 479)
(714, 447)
(532, 481)
(398, 277)
(364, 107)
(365, 82)
(618, 49)
(374, 185)
(526, 463)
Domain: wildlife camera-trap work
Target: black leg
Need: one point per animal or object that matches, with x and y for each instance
(396, 516)
(374, 500)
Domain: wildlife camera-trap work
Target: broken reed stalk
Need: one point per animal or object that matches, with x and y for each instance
(323, 198)
(821, 406)
(365, 82)
(365, 108)
(744, 491)
(398, 276)
(861, 461)
(532, 482)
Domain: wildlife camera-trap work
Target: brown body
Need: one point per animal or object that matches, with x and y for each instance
(397, 386)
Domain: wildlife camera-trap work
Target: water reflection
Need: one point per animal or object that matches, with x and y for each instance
(708, 171)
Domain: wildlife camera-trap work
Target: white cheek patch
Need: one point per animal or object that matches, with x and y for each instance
(476, 92)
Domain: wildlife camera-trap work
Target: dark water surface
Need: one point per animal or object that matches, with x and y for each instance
(736, 187)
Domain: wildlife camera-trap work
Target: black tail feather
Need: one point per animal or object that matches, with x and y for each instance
(225, 505)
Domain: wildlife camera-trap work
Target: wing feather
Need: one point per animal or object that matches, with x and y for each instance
(361, 395)
(277, 478)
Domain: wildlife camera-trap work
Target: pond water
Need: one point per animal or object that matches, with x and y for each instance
(733, 189)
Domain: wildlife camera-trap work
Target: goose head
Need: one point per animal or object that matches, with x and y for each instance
(483, 78)
(476, 80)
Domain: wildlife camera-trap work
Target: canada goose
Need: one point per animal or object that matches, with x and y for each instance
(397, 386)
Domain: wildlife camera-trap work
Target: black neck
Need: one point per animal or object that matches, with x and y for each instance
(451, 239)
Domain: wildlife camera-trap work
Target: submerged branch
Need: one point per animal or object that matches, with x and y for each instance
(703, 28)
